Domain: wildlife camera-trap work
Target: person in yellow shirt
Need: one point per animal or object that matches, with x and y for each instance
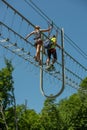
(51, 51)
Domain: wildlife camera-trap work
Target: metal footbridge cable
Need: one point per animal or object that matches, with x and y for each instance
(46, 18)
(13, 47)
(63, 73)
(12, 38)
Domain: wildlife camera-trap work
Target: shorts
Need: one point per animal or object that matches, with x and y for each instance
(52, 52)
(38, 41)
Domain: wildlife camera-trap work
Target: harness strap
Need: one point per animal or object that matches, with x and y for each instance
(37, 38)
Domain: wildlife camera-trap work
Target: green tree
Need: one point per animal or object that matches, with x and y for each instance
(69, 109)
(73, 112)
(50, 118)
(26, 118)
(83, 90)
(6, 89)
(6, 84)
(83, 96)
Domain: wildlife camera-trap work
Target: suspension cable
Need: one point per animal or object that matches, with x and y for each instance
(42, 14)
(23, 51)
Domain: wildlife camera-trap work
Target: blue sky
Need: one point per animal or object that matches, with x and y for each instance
(69, 14)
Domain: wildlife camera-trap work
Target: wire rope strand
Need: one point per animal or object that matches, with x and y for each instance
(66, 37)
(29, 58)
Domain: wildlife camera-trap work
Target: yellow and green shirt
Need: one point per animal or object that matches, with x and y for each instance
(53, 40)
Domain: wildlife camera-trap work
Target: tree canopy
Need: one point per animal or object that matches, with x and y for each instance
(67, 114)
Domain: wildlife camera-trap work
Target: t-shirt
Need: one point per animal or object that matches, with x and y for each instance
(53, 40)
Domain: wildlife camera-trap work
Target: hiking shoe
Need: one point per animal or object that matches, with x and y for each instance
(48, 67)
(51, 65)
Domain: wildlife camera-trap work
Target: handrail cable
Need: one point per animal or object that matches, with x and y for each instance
(39, 11)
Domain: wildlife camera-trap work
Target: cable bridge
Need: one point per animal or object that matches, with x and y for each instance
(13, 29)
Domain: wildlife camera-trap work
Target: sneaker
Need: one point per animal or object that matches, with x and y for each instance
(51, 65)
(48, 67)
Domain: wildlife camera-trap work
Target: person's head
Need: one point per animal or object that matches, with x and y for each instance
(54, 36)
(37, 27)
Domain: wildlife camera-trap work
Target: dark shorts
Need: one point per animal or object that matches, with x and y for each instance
(52, 52)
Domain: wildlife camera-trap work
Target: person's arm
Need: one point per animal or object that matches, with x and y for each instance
(29, 35)
(58, 46)
(46, 30)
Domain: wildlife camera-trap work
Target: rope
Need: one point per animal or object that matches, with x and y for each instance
(21, 52)
(45, 17)
(55, 75)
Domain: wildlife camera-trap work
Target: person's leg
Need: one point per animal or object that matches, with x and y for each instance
(54, 57)
(35, 57)
(38, 52)
(38, 45)
(48, 61)
(49, 56)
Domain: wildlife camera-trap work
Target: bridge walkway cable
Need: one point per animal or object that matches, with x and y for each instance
(20, 50)
(13, 47)
(21, 15)
(16, 33)
(46, 18)
(66, 38)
